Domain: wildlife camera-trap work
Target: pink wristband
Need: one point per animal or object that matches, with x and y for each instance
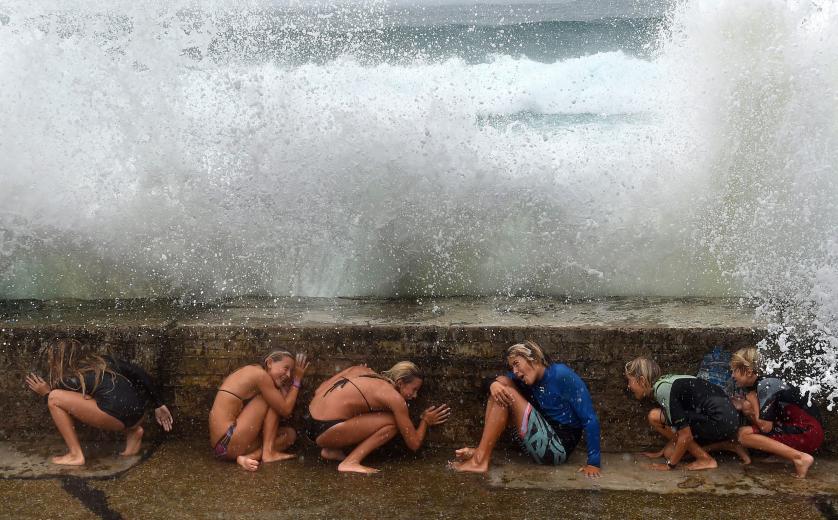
(297, 383)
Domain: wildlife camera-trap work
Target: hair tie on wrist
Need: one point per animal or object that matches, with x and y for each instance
(297, 383)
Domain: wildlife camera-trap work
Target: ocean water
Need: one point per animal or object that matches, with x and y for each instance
(199, 150)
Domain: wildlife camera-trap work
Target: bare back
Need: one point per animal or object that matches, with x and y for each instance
(344, 396)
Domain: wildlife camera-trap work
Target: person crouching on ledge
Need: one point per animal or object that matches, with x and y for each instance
(244, 420)
(549, 406)
(781, 421)
(100, 391)
(360, 410)
(693, 413)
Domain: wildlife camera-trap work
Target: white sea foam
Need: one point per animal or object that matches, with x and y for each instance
(132, 168)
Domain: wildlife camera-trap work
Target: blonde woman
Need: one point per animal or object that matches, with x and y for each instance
(549, 406)
(100, 391)
(781, 421)
(244, 420)
(363, 410)
(692, 413)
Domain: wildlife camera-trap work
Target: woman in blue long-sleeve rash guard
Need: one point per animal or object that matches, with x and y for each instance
(549, 406)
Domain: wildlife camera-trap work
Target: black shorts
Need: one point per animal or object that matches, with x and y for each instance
(117, 397)
(719, 421)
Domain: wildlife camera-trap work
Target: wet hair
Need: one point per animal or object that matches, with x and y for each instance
(645, 368)
(405, 371)
(529, 350)
(275, 356)
(65, 359)
(746, 359)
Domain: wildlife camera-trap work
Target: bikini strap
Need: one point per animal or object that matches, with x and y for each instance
(231, 393)
(340, 383)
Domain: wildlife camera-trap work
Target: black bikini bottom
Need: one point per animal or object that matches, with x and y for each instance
(314, 427)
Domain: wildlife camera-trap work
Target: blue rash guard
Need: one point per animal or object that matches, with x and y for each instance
(563, 399)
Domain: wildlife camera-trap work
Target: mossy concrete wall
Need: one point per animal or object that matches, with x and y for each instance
(191, 355)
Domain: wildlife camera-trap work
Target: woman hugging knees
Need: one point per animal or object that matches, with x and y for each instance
(361, 410)
(547, 404)
(695, 416)
(100, 391)
(245, 416)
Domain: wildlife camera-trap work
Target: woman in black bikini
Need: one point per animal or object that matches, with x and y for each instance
(250, 401)
(358, 407)
(100, 391)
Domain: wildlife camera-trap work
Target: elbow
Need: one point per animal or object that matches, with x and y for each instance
(414, 446)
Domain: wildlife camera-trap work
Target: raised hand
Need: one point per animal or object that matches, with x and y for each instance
(300, 366)
(436, 414)
(37, 384)
(164, 417)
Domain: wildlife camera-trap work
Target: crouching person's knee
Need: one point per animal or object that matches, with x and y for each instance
(387, 432)
(54, 399)
(655, 417)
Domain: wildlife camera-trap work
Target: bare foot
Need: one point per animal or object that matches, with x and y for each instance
(802, 464)
(742, 453)
(355, 467)
(653, 454)
(470, 466)
(133, 441)
(332, 454)
(247, 463)
(464, 454)
(699, 464)
(276, 456)
(70, 459)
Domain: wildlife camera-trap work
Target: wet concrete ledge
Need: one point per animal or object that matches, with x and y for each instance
(456, 341)
(180, 479)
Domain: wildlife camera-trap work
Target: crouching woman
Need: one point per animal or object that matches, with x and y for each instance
(244, 419)
(692, 413)
(781, 421)
(360, 410)
(100, 391)
(547, 404)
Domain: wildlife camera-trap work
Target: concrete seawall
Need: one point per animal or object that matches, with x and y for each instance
(457, 342)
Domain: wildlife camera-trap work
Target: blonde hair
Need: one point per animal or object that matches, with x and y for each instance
(405, 371)
(645, 368)
(275, 356)
(529, 350)
(745, 359)
(65, 359)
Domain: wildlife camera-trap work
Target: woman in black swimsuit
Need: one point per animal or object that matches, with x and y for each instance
(358, 407)
(100, 391)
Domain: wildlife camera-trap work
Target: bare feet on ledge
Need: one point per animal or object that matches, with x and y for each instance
(700, 464)
(247, 463)
(355, 467)
(802, 464)
(469, 466)
(332, 454)
(464, 454)
(133, 441)
(70, 459)
(276, 456)
(742, 453)
(467, 462)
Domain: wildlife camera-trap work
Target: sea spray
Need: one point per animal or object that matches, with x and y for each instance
(200, 151)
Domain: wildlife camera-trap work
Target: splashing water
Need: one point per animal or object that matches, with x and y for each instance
(205, 151)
